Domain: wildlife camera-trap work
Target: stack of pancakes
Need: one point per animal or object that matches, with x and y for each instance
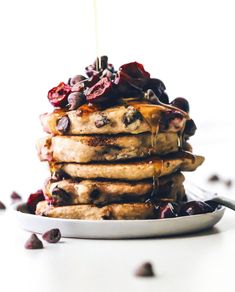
(114, 163)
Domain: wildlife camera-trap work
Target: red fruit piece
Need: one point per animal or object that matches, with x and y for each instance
(33, 199)
(165, 210)
(134, 70)
(58, 95)
(194, 208)
(15, 196)
(52, 236)
(131, 79)
(101, 91)
(2, 206)
(33, 242)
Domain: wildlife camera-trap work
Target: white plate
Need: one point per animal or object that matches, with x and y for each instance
(117, 229)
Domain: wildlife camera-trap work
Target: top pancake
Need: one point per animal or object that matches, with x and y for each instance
(134, 118)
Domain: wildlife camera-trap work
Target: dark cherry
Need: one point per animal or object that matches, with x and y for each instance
(145, 270)
(59, 94)
(92, 80)
(101, 91)
(134, 70)
(76, 99)
(76, 79)
(33, 199)
(15, 196)
(52, 236)
(194, 208)
(189, 129)
(181, 103)
(158, 87)
(2, 206)
(33, 242)
(165, 210)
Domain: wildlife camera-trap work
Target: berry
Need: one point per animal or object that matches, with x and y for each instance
(33, 199)
(58, 95)
(181, 103)
(194, 208)
(101, 91)
(2, 206)
(158, 87)
(165, 210)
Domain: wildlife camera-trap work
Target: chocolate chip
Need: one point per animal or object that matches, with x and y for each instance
(33, 242)
(145, 270)
(104, 62)
(101, 121)
(95, 194)
(60, 197)
(15, 196)
(214, 178)
(2, 206)
(63, 124)
(52, 236)
(76, 99)
(131, 116)
(228, 183)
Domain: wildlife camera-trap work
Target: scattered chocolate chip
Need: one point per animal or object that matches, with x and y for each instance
(60, 197)
(228, 183)
(33, 242)
(214, 178)
(63, 124)
(131, 116)
(145, 270)
(15, 196)
(2, 206)
(52, 236)
(101, 121)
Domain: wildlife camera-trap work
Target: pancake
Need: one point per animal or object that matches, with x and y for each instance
(135, 118)
(129, 170)
(82, 149)
(91, 212)
(96, 192)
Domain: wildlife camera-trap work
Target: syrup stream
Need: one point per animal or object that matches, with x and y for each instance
(97, 44)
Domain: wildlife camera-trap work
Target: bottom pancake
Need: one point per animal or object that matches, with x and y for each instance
(91, 212)
(71, 192)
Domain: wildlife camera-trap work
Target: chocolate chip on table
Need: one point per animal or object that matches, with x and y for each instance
(2, 206)
(33, 242)
(214, 178)
(52, 236)
(15, 196)
(63, 124)
(101, 121)
(145, 270)
(228, 183)
(131, 116)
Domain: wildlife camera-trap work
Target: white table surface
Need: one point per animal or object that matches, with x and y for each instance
(200, 262)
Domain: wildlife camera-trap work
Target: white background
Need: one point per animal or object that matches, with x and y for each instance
(188, 44)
